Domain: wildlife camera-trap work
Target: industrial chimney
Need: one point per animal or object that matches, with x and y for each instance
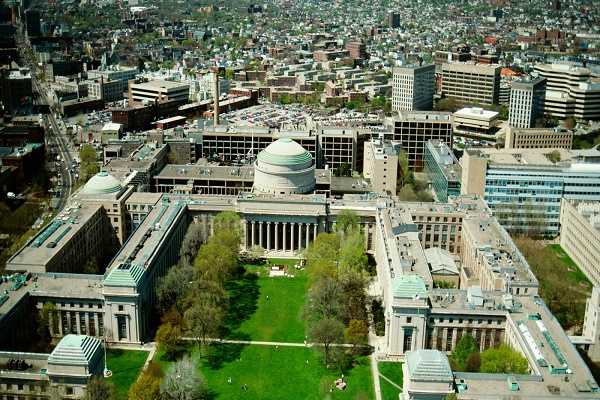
(216, 97)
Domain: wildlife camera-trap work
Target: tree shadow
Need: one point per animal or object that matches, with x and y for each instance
(221, 353)
(243, 292)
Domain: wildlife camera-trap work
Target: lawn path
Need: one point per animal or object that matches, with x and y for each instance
(261, 343)
(391, 382)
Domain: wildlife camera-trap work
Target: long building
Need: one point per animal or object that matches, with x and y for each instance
(524, 187)
(471, 83)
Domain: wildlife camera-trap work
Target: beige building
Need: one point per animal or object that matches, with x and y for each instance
(381, 165)
(471, 83)
(475, 121)
(538, 138)
(580, 235)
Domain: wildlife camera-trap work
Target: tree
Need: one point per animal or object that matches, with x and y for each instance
(216, 261)
(354, 294)
(503, 360)
(183, 381)
(464, 348)
(99, 389)
(193, 239)
(173, 287)
(473, 362)
(168, 338)
(141, 64)
(357, 333)
(322, 256)
(554, 156)
(352, 256)
(407, 193)
(347, 221)
(89, 164)
(204, 319)
(569, 123)
(344, 169)
(43, 323)
(325, 333)
(324, 299)
(227, 221)
(406, 175)
(147, 387)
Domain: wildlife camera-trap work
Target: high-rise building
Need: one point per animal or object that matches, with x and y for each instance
(413, 129)
(471, 83)
(570, 91)
(526, 102)
(393, 19)
(32, 20)
(413, 88)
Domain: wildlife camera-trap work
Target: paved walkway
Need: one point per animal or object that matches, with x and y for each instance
(375, 376)
(391, 382)
(262, 343)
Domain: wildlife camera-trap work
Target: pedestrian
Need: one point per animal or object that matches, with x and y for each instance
(229, 380)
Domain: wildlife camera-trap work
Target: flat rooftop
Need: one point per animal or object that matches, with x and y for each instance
(476, 113)
(67, 286)
(209, 172)
(48, 242)
(157, 84)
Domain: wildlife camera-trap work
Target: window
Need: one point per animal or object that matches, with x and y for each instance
(69, 391)
(120, 308)
(408, 320)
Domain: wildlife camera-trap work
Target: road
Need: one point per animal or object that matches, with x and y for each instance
(55, 127)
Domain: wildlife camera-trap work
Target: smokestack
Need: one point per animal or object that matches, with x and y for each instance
(216, 97)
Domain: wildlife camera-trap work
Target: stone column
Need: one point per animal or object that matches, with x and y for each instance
(292, 227)
(260, 234)
(276, 235)
(252, 233)
(268, 235)
(285, 236)
(299, 226)
(315, 230)
(307, 232)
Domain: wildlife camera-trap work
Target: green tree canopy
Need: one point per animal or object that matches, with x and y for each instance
(464, 348)
(322, 256)
(503, 360)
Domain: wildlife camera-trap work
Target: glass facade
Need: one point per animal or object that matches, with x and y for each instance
(527, 200)
(442, 170)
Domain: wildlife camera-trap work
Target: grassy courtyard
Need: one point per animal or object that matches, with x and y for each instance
(392, 371)
(125, 366)
(278, 373)
(558, 274)
(266, 308)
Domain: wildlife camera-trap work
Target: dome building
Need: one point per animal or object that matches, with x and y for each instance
(284, 167)
(102, 184)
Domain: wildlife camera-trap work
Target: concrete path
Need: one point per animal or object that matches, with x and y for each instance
(391, 382)
(375, 376)
(262, 343)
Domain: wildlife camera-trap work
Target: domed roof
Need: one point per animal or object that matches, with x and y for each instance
(102, 183)
(284, 151)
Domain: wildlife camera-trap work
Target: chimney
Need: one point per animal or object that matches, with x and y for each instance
(216, 97)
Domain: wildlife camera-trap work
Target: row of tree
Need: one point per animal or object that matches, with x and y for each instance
(193, 302)
(495, 360)
(336, 307)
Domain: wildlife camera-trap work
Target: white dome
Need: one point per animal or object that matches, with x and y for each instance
(102, 183)
(284, 167)
(285, 152)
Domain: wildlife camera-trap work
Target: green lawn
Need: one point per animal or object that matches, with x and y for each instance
(392, 371)
(125, 366)
(278, 373)
(266, 309)
(574, 272)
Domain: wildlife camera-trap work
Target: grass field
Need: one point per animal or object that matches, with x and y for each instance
(125, 366)
(266, 309)
(278, 373)
(392, 371)
(574, 273)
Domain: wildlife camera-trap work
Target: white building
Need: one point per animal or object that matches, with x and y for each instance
(159, 90)
(413, 88)
(526, 102)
